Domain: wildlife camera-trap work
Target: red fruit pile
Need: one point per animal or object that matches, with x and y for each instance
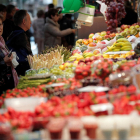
(28, 92)
(103, 68)
(70, 86)
(82, 71)
(20, 120)
(127, 65)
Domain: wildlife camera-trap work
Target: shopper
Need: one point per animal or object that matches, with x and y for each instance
(50, 6)
(8, 75)
(11, 10)
(38, 26)
(8, 25)
(52, 32)
(19, 42)
(65, 22)
(131, 16)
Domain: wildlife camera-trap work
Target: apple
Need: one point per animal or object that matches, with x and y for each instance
(86, 51)
(124, 26)
(92, 44)
(88, 63)
(91, 35)
(107, 36)
(81, 63)
(90, 40)
(87, 60)
(96, 52)
(93, 58)
(103, 33)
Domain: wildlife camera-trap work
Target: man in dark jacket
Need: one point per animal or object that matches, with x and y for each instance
(19, 42)
(8, 25)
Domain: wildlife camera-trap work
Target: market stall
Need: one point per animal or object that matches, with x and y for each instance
(92, 92)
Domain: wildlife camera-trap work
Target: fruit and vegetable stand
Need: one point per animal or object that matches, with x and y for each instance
(89, 93)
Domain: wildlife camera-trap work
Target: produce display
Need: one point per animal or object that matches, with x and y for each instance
(91, 92)
(121, 44)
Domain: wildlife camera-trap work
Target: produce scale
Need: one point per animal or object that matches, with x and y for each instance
(90, 92)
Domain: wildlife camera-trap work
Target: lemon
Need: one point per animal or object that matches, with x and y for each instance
(79, 58)
(62, 67)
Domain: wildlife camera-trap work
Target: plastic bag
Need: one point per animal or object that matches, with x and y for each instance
(14, 61)
(103, 7)
(101, 45)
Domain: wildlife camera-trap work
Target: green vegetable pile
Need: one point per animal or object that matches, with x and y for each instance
(25, 82)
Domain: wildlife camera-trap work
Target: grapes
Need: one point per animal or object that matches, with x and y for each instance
(114, 13)
(106, 2)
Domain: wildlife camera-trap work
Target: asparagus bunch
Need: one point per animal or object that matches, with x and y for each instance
(62, 49)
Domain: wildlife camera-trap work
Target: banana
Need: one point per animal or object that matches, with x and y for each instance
(126, 48)
(116, 50)
(118, 44)
(117, 47)
(126, 43)
(87, 55)
(110, 48)
(122, 40)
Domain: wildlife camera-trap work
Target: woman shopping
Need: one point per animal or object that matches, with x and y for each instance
(52, 32)
(8, 75)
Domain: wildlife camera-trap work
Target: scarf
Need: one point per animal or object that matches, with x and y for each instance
(5, 51)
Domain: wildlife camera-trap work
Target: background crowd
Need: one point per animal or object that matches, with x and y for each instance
(50, 29)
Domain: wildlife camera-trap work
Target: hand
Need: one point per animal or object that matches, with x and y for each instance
(73, 31)
(8, 60)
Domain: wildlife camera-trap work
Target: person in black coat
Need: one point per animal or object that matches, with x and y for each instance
(8, 25)
(65, 22)
(19, 42)
(131, 16)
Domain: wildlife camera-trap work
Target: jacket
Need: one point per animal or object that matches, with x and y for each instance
(20, 43)
(6, 76)
(130, 18)
(65, 24)
(53, 34)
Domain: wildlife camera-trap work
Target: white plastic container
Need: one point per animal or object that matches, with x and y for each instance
(24, 104)
(123, 124)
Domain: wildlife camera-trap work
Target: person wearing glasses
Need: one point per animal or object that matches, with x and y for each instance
(8, 75)
(52, 32)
